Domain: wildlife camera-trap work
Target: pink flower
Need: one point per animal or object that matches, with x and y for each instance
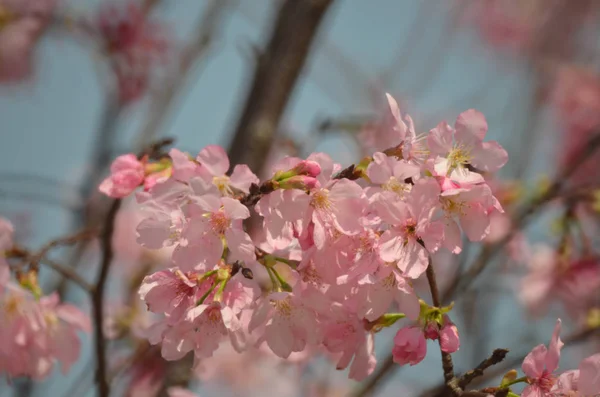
(214, 164)
(539, 366)
(411, 223)
(36, 334)
(472, 207)
(135, 45)
(169, 291)
(213, 222)
(288, 324)
(21, 24)
(377, 292)
(410, 346)
(345, 334)
(449, 339)
(127, 173)
(391, 174)
(464, 146)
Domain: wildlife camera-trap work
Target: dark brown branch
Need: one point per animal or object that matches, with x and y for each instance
(570, 340)
(275, 77)
(497, 356)
(98, 299)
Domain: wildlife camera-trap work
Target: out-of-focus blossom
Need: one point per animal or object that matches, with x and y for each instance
(21, 24)
(35, 334)
(135, 45)
(127, 173)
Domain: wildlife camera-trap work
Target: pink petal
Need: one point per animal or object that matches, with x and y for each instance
(475, 222)
(74, 316)
(533, 364)
(440, 139)
(234, 209)
(379, 170)
(214, 159)
(489, 157)
(589, 375)
(241, 246)
(242, 177)
(556, 344)
(471, 127)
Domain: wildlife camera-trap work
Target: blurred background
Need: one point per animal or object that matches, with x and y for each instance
(268, 78)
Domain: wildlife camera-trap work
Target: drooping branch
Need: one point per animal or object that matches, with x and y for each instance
(277, 71)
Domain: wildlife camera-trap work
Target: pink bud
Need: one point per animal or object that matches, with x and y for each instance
(431, 331)
(410, 346)
(299, 182)
(449, 340)
(307, 167)
(127, 173)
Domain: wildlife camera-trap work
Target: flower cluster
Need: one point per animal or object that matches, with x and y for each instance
(37, 331)
(338, 248)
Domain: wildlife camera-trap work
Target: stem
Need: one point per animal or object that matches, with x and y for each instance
(447, 364)
(518, 380)
(203, 297)
(98, 299)
(276, 286)
(497, 356)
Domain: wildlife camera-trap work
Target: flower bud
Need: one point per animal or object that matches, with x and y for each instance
(299, 182)
(308, 168)
(410, 346)
(449, 339)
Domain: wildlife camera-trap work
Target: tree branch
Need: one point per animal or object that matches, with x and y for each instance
(497, 356)
(98, 299)
(275, 77)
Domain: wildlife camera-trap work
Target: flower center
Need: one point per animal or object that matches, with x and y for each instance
(459, 156)
(394, 185)
(283, 306)
(222, 183)
(389, 282)
(410, 227)
(214, 315)
(320, 200)
(546, 381)
(453, 206)
(219, 222)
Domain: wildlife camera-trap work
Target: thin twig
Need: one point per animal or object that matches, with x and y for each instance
(68, 273)
(98, 299)
(447, 364)
(497, 356)
(74, 238)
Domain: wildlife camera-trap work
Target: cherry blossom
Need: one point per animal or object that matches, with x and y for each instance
(540, 364)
